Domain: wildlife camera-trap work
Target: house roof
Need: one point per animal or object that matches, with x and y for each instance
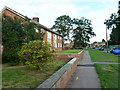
(13, 11)
(46, 28)
(22, 16)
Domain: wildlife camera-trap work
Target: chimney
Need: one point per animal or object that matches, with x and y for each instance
(35, 19)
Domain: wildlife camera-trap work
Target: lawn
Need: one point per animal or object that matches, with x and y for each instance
(108, 74)
(101, 56)
(24, 77)
(68, 51)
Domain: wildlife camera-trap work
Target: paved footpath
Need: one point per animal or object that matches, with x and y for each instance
(85, 75)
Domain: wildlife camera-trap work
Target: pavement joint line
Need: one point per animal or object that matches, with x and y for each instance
(86, 65)
(106, 63)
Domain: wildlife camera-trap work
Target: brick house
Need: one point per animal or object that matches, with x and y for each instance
(50, 36)
(99, 44)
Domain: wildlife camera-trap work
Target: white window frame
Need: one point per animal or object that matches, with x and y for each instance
(54, 37)
(58, 45)
(55, 45)
(36, 30)
(49, 34)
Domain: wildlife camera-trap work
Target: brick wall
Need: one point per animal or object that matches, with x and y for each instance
(61, 78)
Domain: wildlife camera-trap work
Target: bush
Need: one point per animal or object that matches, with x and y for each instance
(36, 54)
(15, 32)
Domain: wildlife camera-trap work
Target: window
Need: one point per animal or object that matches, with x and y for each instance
(55, 45)
(60, 38)
(54, 37)
(49, 35)
(36, 30)
(58, 45)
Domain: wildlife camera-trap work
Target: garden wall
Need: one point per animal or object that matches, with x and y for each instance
(60, 78)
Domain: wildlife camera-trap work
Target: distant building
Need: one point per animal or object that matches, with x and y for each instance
(69, 46)
(51, 37)
(99, 44)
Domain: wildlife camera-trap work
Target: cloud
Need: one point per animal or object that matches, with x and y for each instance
(49, 10)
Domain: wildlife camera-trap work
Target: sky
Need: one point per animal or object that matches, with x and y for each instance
(48, 10)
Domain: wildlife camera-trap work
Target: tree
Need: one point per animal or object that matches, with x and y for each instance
(30, 32)
(103, 40)
(82, 32)
(14, 35)
(114, 24)
(63, 26)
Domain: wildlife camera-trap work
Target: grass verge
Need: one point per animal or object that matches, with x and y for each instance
(68, 51)
(101, 56)
(108, 74)
(23, 77)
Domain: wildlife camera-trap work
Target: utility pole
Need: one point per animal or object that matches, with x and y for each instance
(107, 23)
(107, 39)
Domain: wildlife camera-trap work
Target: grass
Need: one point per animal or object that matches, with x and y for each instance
(108, 75)
(23, 77)
(68, 51)
(101, 56)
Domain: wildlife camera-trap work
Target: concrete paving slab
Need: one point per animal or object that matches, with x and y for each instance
(85, 75)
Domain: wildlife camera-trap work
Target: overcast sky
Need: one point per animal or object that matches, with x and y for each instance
(49, 10)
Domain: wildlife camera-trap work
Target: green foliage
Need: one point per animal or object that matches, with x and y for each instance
(30, 32)
(82, 32)
(12, 37)
(103, 40)
(63, 25)
(14, 34)
(36, 54)
(114, 24)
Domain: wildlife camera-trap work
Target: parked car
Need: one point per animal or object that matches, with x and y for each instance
(111, 51)
(1, 48)
(116, 50)
(101, 48)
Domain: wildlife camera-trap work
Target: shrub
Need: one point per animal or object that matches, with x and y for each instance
(36, 54)
(15, 32)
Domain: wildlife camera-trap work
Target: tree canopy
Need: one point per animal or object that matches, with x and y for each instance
(80, 28)
(113, 23)
(63, 26)
(15, 34)
(82, 32)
